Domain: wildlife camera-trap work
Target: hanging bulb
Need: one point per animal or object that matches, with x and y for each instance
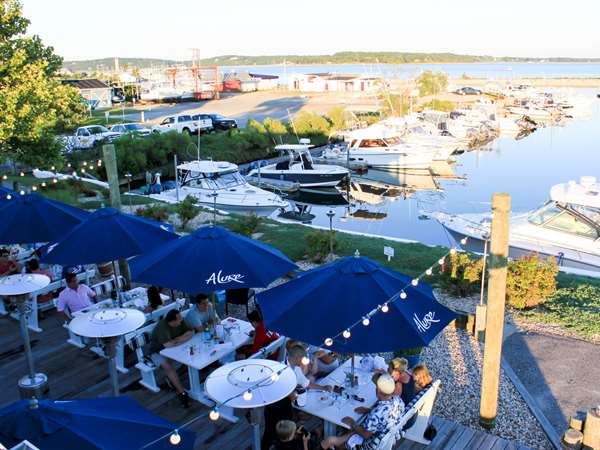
(5, 177)
(34, 188)
(8, 196)
(54, 180)
(68, 164)
(82, 170)
(175, 438)
(328, 342)
(366, 321)
(428, 271)
(415, 281)
(463, 241)
(22, 192)
(385, 308)
(441, 261)
(247, 395)
(85, 163)
(52, 168)
(346, 334)
(275, 376)
(74, 173)
(452, 251)
(22, 174)
(403, 295)
(43, 184)
(214, 415)
(305, 361)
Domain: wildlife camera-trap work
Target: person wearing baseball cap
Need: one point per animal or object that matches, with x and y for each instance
(368, 431)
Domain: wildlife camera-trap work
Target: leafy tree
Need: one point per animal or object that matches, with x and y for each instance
(187, 210)
(313, 126)
(34, 105)
(395, 104)
(530, 281)
(432, 83)
(276, 130)
(337, 116)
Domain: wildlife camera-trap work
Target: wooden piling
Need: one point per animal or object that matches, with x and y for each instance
(591, 430)
(495, 310)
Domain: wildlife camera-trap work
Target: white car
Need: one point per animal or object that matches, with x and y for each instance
(135, 129)
(182, 124)
(90, 136)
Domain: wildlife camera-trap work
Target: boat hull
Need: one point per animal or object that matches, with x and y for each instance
(395, 160)
(305, 178)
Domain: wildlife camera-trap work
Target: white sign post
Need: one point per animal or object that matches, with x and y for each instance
(389, 252)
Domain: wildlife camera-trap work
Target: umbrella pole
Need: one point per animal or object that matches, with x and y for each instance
(21, 305)
(352, 370)
(116, 278)
(256, 415)
(111, 344)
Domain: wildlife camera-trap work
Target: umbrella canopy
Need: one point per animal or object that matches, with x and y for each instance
(90, 424)
(269, 381)
(31, 218)
(107, 235)
(107, 322)
(212, 258)
(23, 284)
(323, 302)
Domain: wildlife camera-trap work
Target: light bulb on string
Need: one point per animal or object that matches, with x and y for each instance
(54, 180)
(328, 342)
(22, 174)
(452, 251)
(366, 321)
(428, 271)
(346, 334)
(85, 163)
(305, 361)
(52, 168)
(43, 184)
(34, 188)
(247, 395)
(214, 414)
(403, 295)
(22, 192)
(74, 173)
(463, 241)
(5, 177)
(441, 261)
(415, 281)
(8, 196)
(68, 164)
(175, 439)
(82, 170)
(275, 376)
(385, 308)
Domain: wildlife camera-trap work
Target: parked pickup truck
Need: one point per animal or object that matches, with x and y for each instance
(183, 124)
(90, 136)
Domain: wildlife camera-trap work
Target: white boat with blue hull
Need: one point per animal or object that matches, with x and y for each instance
(567, 227)
(300, 168)
(219, 184)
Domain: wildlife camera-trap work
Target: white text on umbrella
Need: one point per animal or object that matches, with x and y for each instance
(217, 278)
(425, 323)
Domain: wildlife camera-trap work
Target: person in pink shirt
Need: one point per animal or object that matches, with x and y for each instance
(74, 297)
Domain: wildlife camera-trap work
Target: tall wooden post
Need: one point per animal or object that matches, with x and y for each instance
(495, 310)
(112, 174)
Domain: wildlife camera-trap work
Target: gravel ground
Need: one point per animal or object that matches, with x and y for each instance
(455, 358)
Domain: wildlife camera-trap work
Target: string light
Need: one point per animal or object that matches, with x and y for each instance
(305, 361)
(403, 295)
(22, 192)
(328, 342)
(415, 281)
(74, 173)
(8, 196)
(85, 163)
(214, 414)
(463, 241)
(175, 439)
(366, 321)
(346, 334)
(34, 188)
(52, 168)
(43, 184)
(55, 180)
(22, 174)
(274, 377)
(441, 261)
(82, 170)
(429, 271)
(68, 164)
(453, 251)
(5, 177)
(385, 308)
(247, 395)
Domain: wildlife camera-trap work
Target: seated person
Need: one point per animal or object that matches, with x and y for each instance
(201, 317)
(290, 437)
(170, 331)
(422, 377)
(33, 266)
(154, 299)
(8, 266)
(74, 297)
(262, 337)
(295, 356)
(405, 385)
(378, 420)
(323, 362)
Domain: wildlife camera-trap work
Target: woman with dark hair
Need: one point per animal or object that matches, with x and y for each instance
(154, 300)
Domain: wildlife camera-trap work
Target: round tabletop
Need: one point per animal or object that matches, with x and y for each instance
(268, 381)
(22, 284)
(107, 322)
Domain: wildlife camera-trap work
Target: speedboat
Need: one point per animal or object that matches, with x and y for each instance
(567, 227)
(219, 184)
(300, 168)
(379, 146)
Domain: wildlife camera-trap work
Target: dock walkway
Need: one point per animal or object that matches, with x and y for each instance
(75, 373)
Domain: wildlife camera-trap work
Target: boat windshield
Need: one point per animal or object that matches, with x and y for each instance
(393, 140)
(591, 213)
(554, 217)
(229, 180)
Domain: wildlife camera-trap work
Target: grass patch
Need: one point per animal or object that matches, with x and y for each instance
(575, 309)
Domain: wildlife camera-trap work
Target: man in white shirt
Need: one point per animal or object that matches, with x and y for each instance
(295, 356)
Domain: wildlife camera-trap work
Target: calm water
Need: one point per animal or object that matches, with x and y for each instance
(407, 71)
(526, 169)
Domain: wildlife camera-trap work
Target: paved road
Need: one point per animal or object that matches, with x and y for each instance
(561, 374)
(260, 105)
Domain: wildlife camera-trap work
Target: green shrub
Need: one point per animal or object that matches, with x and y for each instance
(431, 83)
(187, 210)
(312, 126)
(337, 117)
(246, 225)
(438, 105)
(277, 131)
(531, 280)
(462, 275)
(154, 211)
(394, 104)
(318, 242)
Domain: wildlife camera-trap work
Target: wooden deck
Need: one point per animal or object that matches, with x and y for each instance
(75, 373)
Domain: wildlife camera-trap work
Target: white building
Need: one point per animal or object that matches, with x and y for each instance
(324, 82)
(96, 93)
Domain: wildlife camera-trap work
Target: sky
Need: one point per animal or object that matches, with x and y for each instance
(82, 29)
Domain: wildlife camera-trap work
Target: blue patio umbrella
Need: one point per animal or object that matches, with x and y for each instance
(321, 303)
(90, 424)
(107, 235)
(210, 259)
(31, 218)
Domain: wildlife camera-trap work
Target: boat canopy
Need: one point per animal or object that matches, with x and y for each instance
(208, 167)
(293, 147)
(584, 193)
(377, 131)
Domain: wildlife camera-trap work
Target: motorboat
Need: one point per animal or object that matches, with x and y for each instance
(219, 184)
(299, 167)
(381, 147)
(566, 227)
